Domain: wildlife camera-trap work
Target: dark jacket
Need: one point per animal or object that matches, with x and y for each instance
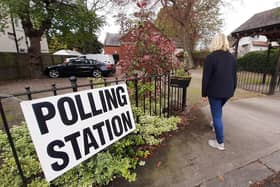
(219, 75)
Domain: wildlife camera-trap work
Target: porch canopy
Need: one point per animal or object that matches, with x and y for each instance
(265, 23)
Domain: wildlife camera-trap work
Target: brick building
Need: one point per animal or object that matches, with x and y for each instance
(114, 43)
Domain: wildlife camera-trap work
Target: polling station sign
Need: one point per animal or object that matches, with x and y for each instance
(70, 128)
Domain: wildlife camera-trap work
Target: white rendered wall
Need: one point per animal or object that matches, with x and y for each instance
(7, 42)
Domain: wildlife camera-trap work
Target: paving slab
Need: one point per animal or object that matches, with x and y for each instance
(241, 177)
(272, 161)
(252, 131)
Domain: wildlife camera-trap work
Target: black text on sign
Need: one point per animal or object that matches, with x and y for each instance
(69, 129)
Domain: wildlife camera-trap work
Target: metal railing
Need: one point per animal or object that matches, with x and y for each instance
(264, 83)
(154, 95)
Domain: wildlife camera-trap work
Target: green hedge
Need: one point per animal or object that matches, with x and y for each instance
(118, 160)
(200, 54)
(256, 61)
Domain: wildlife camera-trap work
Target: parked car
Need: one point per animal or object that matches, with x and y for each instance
(73, 58)
(80, 67)
(106, 58)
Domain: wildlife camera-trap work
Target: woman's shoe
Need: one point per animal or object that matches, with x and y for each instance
(216, 145)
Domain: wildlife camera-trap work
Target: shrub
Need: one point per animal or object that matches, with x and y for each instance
(200, 54)
(256, 61)
(199, 57)
(147, 52)
(118, 160)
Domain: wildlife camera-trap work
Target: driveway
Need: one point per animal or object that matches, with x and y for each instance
(252, 132)
(11, 105)
(17, 86)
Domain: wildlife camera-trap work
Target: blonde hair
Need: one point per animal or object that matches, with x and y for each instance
(219, 42)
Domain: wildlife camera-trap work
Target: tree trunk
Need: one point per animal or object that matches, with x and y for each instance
(188, 58)
(34, 52)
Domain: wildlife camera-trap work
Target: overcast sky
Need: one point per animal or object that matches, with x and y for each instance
(242, 10)
(234, 15)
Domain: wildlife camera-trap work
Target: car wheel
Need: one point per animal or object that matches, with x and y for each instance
(96, 73)
(53, 73)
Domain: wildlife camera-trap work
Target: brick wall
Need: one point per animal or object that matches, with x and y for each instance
(113, 50)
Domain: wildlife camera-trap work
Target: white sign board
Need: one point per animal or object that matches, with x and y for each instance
(70, 128)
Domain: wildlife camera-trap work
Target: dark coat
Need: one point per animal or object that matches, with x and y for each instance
(219, 75)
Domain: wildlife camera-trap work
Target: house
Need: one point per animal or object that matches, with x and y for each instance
(256, 32)
(7, 39)
(256, 43)
(114, 43)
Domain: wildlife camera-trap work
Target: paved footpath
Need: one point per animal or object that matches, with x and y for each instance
(252, 140)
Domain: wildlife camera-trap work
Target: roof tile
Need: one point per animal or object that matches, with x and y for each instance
(112, 39)
(260, 20)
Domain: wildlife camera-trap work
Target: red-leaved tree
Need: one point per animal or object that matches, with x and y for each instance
(146, 51)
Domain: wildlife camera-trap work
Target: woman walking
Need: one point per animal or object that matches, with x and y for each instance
(218, 83)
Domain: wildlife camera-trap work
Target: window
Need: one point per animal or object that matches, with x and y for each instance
(74, 62)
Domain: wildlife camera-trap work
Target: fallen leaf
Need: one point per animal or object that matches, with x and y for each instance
(158, 164)
(142, 163)
(221, 178)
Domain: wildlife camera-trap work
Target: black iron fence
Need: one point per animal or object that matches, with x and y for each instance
(264, 83)
(155, 95)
